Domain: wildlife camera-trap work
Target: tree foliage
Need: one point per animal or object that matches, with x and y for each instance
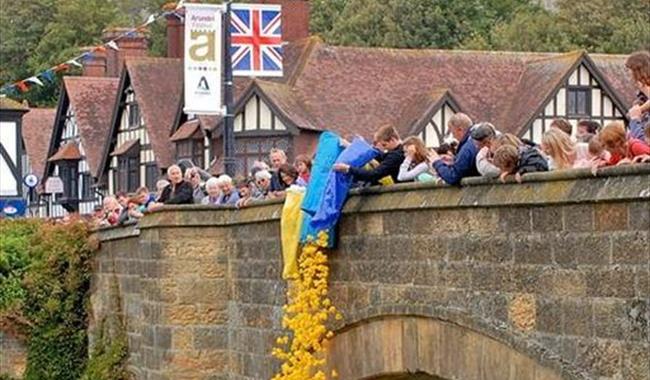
(45, 282)
(521, 25)
(40, 33)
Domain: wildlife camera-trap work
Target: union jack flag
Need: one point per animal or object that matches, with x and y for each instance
(256, 40)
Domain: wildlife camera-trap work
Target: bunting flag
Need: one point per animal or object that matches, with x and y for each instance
(112, 45)
(22, 86)
(49, 74)
(61, 67)
(74, 61)
(34, 79)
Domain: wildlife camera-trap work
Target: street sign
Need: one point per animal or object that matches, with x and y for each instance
(12, 208)
(30, 180)
(53, 185)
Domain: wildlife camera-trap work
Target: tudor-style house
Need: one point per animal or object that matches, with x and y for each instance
(81, 124)
(12, 155)
(138, 148)
(37, 133)
(348, 90)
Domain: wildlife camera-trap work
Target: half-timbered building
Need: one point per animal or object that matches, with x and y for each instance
(12, 153)
(353, 91)
(81, 124)
(37, 133)
(138, 148)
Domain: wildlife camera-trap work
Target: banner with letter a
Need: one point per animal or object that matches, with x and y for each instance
(203, 56)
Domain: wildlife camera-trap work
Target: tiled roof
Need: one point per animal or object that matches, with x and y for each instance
(37, 132)
(540, 78)
(8, 104)
(92, 99)
(124, 147)
(289, 104)
(185, 131)
(613, 68)
(354, 90)
(418, 108)
(158, 87)
(69, 151)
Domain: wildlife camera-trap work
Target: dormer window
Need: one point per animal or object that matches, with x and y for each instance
(578, 101)
(128, 165)
(69, 174)
(134, 115)
(67, 161)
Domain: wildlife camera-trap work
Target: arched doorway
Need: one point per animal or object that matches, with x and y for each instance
(418, 348)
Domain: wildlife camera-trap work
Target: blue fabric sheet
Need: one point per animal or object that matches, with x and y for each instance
(327, 151)
(338, 184)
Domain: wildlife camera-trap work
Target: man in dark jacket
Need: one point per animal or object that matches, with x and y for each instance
(178, 191)
(464, 164)
(278, 158)
(388, 140)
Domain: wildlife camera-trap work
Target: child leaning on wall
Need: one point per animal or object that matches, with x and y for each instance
(511, 160)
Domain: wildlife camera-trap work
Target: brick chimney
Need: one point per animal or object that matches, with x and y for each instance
(295, 18)
(133, 45)
(175, 34)
(95, 64)
(295, 25)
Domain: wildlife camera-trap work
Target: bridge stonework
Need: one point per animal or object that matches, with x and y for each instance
(549, 279)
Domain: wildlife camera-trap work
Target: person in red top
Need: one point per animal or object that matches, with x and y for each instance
(622, 148)
(303, 166)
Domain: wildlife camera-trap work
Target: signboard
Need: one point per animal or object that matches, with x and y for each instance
(53, 185)
(30, 180)
(203, 56)
(12, 208)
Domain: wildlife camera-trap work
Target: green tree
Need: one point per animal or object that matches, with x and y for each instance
(411, 24)
(533, 29)
(607, 26)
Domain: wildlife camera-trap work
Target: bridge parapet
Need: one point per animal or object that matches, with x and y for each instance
(553, 272)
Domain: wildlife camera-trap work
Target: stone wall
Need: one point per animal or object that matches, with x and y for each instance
(553, 274)
(13, 355)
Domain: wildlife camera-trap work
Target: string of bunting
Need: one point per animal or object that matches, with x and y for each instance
(48, 75)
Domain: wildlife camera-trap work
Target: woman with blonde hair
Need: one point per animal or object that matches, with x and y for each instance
(562, 151)
(415, 160)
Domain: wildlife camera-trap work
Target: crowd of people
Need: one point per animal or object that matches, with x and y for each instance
(480, 150)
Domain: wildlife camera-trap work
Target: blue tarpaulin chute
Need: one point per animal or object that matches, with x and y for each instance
(328, 149)
(358, 153)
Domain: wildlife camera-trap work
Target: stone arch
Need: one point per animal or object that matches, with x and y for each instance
(412, 347)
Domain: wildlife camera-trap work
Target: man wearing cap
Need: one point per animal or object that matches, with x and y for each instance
(484, 134)
(464, 164)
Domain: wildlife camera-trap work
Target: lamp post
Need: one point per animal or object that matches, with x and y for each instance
(228, 118)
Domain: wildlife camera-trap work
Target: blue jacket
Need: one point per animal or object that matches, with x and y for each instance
(464, 163)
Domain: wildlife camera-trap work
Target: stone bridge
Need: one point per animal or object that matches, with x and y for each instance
(548, 279)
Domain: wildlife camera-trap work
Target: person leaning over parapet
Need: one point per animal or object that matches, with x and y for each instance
(623, 148)
(415, 166)
(464, 164)
(212, 188)
(388, 140)
(229, 194)
(278, 158)
(178, 191)
(511, 160)
(194, 178)
(485, 134)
